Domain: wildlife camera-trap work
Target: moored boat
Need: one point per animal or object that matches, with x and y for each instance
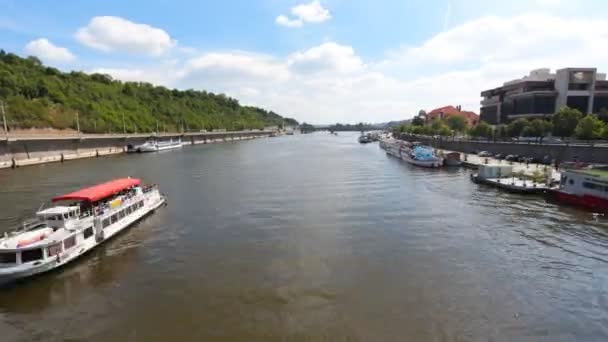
(364, 139)
(451, 159)
(168, 145)
(585, 188)
(412, 153)
(79, 222)
(502, 177)
(155, 146)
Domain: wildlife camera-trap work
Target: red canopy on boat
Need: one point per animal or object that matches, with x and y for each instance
(100, 191)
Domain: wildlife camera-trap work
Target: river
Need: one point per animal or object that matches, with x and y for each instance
(312, 238)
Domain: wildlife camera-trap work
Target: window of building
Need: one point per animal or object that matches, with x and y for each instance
(69, 242)
(88, 233)
(31, 255)
(8, 258)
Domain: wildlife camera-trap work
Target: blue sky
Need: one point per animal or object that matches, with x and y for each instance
(326, 60)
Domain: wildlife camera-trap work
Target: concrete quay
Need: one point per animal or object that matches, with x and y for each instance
(24, 150)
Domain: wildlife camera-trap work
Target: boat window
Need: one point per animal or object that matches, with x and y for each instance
(54, 249)
(105, 222)
(8, 258)
(69, 242)
(128, 210)
(594, 186)
(141, 204)
(114, 218)
(121, 214)
(88, 233)
(71, 214)
(31, 255)
(571, 182)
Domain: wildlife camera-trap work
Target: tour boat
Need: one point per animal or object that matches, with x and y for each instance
(584, 187)
(168, 145)
(412, 153)
(155, 146)
(78, 222)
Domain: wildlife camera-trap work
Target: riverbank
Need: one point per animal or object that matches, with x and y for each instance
(18, 150)
(562, 152)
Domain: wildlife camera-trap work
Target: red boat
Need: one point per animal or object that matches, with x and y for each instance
(584, 187)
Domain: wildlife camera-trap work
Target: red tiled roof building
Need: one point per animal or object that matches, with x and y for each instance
(447, 111)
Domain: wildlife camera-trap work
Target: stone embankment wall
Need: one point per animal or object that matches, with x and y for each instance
(561, 152)
(17, 151)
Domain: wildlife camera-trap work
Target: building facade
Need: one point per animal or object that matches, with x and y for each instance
(445, 112)
(542, 93)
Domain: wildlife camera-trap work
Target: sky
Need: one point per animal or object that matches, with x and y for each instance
(319, 61)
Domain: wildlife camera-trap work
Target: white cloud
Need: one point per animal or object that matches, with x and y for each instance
(331, 82)
(108, 34)
(283, 20)
(234, 67)
(47, 51)
(312, 12)
(327, 57)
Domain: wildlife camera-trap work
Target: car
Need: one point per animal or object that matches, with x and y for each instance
(512, 157)
(474, 151)
(522, 159)
(484, 154)
(499, 156)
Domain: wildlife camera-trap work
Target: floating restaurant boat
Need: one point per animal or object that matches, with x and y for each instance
(155, 146)
(584, 187)
(80, 222)
(502, 177)
(413, 153)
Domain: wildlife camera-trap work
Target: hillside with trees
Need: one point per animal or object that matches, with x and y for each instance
(37, 96)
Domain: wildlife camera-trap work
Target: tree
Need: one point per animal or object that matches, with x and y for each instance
(457, 123)
(516, 127)
(603, 115)
(590, 127)
(537, 128)
(418, 121)
(565, 121)
(40, 96)
(605, 132)
(483, 129)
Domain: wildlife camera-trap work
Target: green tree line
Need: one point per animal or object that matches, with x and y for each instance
(567, 123)
(38, 96)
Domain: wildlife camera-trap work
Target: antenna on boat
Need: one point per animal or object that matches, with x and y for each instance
(41, 206)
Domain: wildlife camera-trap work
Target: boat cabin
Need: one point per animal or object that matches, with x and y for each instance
(585, 182)
(56, 217)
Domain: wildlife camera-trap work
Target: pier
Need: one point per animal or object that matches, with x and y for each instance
(23, 149)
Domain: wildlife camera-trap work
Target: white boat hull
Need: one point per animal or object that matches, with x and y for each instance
(11, 274)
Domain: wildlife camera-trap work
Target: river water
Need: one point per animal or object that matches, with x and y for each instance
(312, 238)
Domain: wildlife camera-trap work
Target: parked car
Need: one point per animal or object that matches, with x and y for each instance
(522, 159)
(484, 154)
(512, 157)
(499, 156)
